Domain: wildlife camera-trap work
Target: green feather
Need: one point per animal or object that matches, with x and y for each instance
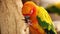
(49, 29)
(42, 23)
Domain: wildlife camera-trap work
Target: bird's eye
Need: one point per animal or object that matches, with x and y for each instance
(31, 11)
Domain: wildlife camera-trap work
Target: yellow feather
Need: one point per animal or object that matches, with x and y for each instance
(43, 14)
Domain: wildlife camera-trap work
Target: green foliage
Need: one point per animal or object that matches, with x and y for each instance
(53, 9)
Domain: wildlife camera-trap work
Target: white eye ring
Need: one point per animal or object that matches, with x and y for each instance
(31, 11)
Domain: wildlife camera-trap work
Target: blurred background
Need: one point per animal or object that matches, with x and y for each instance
(53, 8)
(10, 9)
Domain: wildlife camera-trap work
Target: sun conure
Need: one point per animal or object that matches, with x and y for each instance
(38, 19)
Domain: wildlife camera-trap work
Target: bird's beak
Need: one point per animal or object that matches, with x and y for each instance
(27, 18)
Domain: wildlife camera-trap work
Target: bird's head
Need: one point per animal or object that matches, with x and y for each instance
(29, 8)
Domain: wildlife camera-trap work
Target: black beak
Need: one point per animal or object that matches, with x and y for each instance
(27, 18)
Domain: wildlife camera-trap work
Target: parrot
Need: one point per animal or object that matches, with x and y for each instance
(38, 19)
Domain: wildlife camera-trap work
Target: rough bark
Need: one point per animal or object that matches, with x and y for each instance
(11, 19)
